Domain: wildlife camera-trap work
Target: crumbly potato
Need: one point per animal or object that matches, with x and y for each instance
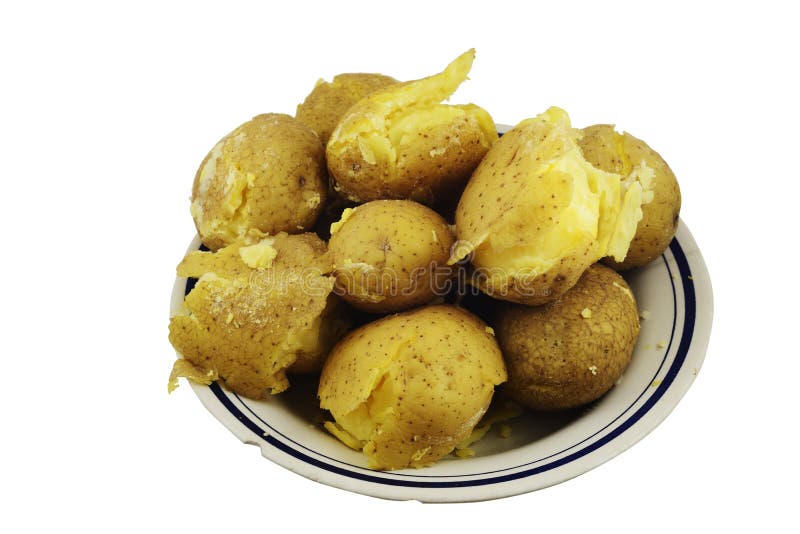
(390, 255)
(401, 142)
(571, 351)
(327, 103)
(261, 306)
(268, 174)
(406, 389)
(621, 153)
(535, 214)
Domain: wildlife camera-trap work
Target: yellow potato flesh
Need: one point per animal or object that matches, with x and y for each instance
(535, 206)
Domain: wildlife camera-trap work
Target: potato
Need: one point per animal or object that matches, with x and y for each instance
(535, 214)
(261, 306)
(329, 101)
(621, 153)
(268, 174)
(407, 388)
(400, 142)
(571, 351)
(391, 255)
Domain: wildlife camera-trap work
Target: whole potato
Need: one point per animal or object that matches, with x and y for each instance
(329, 101)
(571, 351)
(401, 142)
(268, 174)
(390, 255)
(621, 153)
(406, 389)
(262, 306)
(536, 214)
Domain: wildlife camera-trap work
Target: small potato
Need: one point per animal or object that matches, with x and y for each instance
(268, 174)
(571, 351)
(621, 153)
(390, 255)
(262, 306)
(406, 389)
(329, 101)
(401, 142)
(536, 214)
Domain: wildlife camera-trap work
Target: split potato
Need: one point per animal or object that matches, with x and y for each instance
(327, 103)
(401, 142)
(622, 153)
(262, 306)
(268, 174)
(571, 351)
(536, 214)
(406, 389)
(390, 255)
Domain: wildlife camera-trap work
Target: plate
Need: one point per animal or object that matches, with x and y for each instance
(673, 294)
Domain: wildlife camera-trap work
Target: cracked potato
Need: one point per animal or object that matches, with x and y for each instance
(408, 388)
(327, 103)
(268, 174)
(536, 214)
(402, 142)
(261, 307)
(621, 153)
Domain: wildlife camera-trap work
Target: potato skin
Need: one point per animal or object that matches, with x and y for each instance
(613, 152)
(268, 174)
(325, 105)
(391, 255)
(424, 377)
(557, 358)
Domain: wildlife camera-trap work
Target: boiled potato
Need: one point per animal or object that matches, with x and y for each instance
(571, 351)
(535, 214)
(268, 174)
(329, 101)
(622, 153)
(391, 255)
(401, 142)
(406, 389)
(262, 306)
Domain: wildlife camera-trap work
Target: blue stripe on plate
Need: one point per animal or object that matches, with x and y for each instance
(646, 389)
(672, 372)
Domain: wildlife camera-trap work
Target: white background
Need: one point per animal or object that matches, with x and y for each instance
(107, 111)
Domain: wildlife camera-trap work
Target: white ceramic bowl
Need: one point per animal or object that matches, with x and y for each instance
(544, 449)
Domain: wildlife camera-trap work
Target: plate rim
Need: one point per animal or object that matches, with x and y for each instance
(696, 286)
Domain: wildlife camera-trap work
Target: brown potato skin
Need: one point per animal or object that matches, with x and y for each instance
(610, 151)
(287, 164)
(329, 101)
(550, 350)
(407, 246)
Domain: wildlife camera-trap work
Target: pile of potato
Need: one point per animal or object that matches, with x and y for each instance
(344, 241)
